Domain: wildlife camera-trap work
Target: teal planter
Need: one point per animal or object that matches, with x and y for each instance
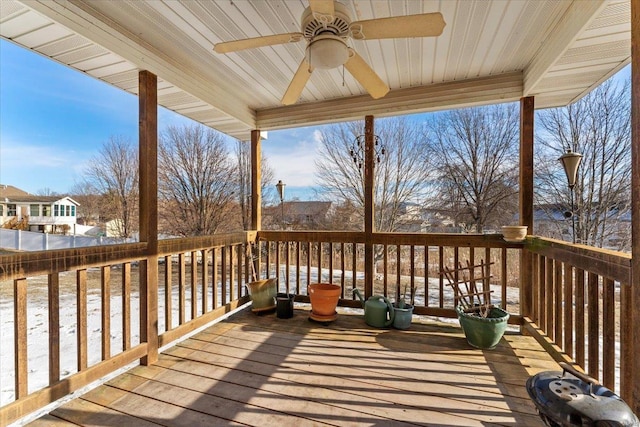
(402, 317)
(483, 332)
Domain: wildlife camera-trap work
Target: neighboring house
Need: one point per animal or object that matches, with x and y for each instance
(48, 214)
(298, 215)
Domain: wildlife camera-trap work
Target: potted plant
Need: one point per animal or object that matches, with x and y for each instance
(403, 311)
(483, 324)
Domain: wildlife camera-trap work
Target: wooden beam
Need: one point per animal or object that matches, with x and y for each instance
(526, 200)
(148, 182)
(463, 93)
(369, 227)
(256, 178)
(634, 373)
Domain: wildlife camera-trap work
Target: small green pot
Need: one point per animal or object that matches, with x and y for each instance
(483, 332)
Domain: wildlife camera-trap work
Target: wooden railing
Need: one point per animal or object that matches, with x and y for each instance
(199, 280)
(581, 306)
(407, 264)
(578, 297)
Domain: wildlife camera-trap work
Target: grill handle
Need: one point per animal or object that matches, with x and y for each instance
(580, 375)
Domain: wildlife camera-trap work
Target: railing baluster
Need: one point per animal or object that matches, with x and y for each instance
(412, 255)
(580, 331)
(542, 289)
(126, 306)
(168, 292)
(54, 327)
(278, 264)
(204, 274)
(385, 269)
(20, 336)
(320, 262)
(194, 284)
(608, 334)
(308, 263)
(239, 252)
(594, 331)
(223, 275)
(354, 267)
(331, 262)
(549, 294)
(426, 276)
(215, 280)
(287, 262)
(343, 266)
(298, 267)
(441, 276)
(396, 289)
(232, 271)
(105, 290)
(81, 321)
(568, 309)
(182, 277)
(557, 280)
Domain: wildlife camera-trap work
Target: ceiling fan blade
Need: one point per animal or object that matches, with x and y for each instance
(251, 43)
(365, 75)
(322, 7)
(297, 84)
(422, 25)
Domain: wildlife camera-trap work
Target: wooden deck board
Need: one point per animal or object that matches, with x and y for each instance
(261, 371)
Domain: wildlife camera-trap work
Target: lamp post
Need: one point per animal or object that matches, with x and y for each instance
(280, 187)
(570, 162)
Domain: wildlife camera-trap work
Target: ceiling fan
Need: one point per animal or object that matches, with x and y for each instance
(327, 26)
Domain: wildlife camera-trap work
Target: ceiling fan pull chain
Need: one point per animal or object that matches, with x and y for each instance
(343, 84)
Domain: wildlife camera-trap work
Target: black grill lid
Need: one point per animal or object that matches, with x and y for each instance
(571, 398)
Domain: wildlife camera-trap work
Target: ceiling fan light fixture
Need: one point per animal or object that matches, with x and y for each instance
(327, 51)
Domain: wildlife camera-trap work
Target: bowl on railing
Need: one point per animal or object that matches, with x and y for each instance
(514, 233)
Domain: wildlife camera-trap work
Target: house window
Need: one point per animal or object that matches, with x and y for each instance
(1, 210)
(34, 210)
(68, 210)
(73, 211)
(55, 210)
(11, 210)
(46, 210)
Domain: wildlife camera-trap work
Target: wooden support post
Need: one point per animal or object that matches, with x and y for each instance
(256, 177)
(369, 159)
(633, 374)
(526, 201)
(148, 167)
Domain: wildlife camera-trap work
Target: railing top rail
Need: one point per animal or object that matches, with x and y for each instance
(25, 264)
(395, 238)
(604, 262)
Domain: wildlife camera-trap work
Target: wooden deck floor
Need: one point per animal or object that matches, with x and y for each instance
(263, 371)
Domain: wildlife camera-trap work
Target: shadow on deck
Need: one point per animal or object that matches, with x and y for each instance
(261, 371)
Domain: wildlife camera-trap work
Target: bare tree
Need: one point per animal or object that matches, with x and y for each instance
(196, 181)
(477, 157)
(90, 202)
(598, 127)
(113, 172)
(46, 191)
(243, 172)
(402, 174)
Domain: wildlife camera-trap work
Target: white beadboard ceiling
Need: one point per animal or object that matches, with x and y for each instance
(490, 51)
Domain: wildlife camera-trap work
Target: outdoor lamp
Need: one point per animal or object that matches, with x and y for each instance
(280, 186)
(570, 162)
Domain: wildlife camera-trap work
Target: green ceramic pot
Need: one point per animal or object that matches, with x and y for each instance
(483, 332)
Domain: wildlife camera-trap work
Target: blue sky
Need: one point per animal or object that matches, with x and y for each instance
(54, 119)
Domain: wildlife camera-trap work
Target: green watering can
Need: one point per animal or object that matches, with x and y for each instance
(378, 310)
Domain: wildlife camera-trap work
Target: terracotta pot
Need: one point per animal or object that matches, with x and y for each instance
(324, 298)
(514, 233)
